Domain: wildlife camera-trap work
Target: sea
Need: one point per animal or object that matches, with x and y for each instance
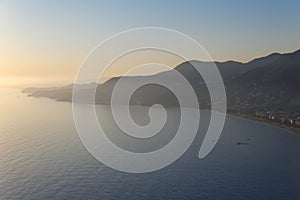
(42, 157)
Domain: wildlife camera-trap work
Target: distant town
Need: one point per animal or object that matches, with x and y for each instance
(287, 120)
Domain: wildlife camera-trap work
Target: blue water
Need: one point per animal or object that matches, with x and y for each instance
(41, 157)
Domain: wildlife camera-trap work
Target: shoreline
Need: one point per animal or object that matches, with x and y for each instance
(286, 128)
(290, 130)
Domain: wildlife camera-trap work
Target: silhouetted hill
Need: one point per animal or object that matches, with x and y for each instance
(272, 80)
(283, 71)
(275, 85)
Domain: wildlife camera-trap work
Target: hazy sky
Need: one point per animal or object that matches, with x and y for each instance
(51, 38)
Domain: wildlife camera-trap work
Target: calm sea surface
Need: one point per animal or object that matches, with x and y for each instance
(41, 157)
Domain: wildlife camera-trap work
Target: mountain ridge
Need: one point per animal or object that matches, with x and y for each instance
(265, 78)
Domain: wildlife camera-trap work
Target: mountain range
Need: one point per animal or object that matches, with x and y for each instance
(270, 82)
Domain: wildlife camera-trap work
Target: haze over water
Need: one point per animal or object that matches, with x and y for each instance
(45, 44)
(42, 157)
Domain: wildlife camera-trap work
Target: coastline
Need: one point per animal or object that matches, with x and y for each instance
(289, 129)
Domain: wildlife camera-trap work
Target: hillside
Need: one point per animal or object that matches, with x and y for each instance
(267, 82)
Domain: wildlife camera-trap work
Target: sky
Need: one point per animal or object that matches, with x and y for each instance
(49, 39)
